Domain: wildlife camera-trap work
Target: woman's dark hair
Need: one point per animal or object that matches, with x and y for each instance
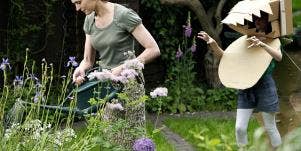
(264, 16)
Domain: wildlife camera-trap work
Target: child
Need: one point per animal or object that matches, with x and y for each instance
(262, 96)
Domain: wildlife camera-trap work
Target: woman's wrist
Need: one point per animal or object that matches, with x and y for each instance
(210, 41)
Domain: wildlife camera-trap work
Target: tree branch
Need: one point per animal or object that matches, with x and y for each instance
(218, 16)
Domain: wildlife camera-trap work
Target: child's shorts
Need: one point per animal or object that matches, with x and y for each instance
(262, 96)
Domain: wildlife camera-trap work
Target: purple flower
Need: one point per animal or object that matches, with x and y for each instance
(38, 97)
(129, 73)
(33, 77)
(187, 30)
(193, 47)
(4, 64)
(121, 79)
(72, 62)
(179, 53)
(18, 82)
(160, 91)
(144, 144)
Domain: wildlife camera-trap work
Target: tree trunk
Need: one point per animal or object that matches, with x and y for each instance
(211, 63)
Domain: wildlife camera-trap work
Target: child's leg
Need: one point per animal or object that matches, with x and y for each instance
(271, 128)
(242, 120)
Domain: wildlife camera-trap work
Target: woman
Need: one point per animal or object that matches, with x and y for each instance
(263, 95)
(111, 30)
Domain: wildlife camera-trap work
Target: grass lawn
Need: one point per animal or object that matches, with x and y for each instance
(159, 139)
(202, 132)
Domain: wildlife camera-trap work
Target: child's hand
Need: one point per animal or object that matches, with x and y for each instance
(204, 36)
(254, 42)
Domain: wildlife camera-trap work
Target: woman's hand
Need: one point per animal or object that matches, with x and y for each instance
(204, 36)
(117, 70)
(79, 75)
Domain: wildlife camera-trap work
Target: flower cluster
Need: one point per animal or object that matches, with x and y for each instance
(105, 75)
(160, 91)
(129, 72)
(62, 137)
(33, 129)
(144, 144)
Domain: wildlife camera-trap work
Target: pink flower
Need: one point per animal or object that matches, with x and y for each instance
(179, 53)
(129, 73)
(105, 75)
(133, 64)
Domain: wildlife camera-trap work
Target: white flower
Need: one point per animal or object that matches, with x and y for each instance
(133, 64)
(115, 106)
(160, 91)
(102, 76)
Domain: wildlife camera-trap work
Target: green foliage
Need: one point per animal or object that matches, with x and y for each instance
(163, 19)
(215, 133)
(221, 99)
(296, 5)
(28, 27)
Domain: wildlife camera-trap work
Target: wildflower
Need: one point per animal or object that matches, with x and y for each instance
(143, 144)
(193, 47)
(129, 53)
(18, 82)
(179, 53)
(4, 64)
(187, 28)
(38, 97)
(133, 64)
(115, 106)
(65, 136)
(102, 76)
(121, 79)
(160, 91)
(33, 77)
(72, 62)
(129, 73)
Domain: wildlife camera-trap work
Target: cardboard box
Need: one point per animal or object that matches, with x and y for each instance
(280, 16)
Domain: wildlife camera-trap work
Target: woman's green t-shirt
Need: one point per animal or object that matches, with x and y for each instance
(114, 41)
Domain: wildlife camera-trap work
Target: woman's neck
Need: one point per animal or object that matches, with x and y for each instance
(102, 8)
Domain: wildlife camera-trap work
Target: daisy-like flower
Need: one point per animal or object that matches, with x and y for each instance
(105, 75)
(144, 144)
(160, 91)
(4, 64)
(72, 62)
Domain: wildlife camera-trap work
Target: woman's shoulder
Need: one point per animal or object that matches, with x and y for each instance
(121, 10)
(90, 17)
